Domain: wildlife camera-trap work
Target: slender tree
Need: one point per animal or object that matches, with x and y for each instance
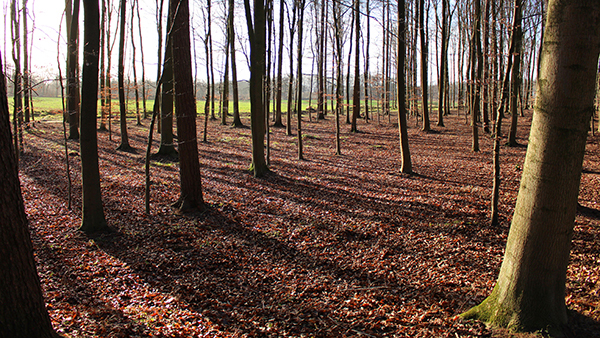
(516, 74)
(401, 75)
(72, 66)
(424, 51)
(92, 219)
(356, 91)
(257, 24)
(237, 122)
(124, 146)
(26, 76)
(301, 4)
(530, 291)
(185, 107)
(279, 79)
(167, 146)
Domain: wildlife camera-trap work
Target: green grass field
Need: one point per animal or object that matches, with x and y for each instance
(50, 107)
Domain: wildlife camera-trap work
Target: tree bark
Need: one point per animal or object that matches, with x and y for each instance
(301, 4)
(279, 85)
(72, 65)
(92, 219)
(257, 33)
(22, 310)
(356, 91)
(424, 84)
(185, 107)
(516, 75)
(124, 146)
(237, 122)
(401, 74)
(530, 292)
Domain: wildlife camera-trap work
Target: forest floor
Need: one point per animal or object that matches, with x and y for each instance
(331, 246)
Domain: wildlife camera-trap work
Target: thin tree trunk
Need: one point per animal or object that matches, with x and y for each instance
(401, 74)
(516, 74)
(424, 83)
(356, 91)
(72, 65)
(299, 76)
(124, 146)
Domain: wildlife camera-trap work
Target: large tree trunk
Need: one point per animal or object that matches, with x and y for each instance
(92, 212)
(124, 146)
(530, 292)
(22, 310)
(299, 75)
(185, 107)
(401, 74)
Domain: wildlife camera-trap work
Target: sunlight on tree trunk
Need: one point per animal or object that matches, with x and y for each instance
(530, 290)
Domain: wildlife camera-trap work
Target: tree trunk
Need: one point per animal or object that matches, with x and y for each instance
(516, 75)
(257, 33)
(142, 60)
(26, 76)
(443, 64)
(237, 122)
(530, 292)
(134, 68)
(278, 89)
(356, 91)
(339, 95)
(424, 84)
(167, 145)
(290, 107)
(185, 107)
(72, 65)
(22, 307)
(92, 219)
(124, 146)
(299, 76)
(401, 75)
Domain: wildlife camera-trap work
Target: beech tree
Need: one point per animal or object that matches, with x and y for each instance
(72, 9)
(257, 27)
(185, 109)
(22, 310)
(401, 74)
(124, 146)
(530, 291)
(92, 219)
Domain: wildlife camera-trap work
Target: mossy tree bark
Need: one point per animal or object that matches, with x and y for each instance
(530, 292)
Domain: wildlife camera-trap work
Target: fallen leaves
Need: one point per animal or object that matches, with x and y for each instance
(339, 246)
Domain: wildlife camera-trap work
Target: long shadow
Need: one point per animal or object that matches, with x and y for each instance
(228, 277)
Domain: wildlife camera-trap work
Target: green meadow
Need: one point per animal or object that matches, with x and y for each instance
(50, 107)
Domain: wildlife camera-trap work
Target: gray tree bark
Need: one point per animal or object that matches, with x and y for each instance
(530, 292)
